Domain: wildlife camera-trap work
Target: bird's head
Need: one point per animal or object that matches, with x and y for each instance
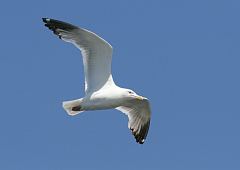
(130, 94)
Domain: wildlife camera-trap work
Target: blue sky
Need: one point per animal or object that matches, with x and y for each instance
(182, 55)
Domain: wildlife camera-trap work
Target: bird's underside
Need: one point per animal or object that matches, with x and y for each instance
(101, 91)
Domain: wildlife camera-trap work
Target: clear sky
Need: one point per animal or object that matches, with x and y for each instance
(184, 55)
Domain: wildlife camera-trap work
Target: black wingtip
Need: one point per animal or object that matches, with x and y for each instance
(45, 20)
(141, 136)
(56, 24)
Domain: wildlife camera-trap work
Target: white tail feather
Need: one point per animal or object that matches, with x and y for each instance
(68, 105)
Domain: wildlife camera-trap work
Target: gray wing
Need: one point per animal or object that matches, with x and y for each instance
(139, 114)
(96, 52)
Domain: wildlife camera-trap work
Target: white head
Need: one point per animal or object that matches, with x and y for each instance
(130, 94)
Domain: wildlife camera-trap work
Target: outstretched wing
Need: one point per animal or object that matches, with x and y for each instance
(96, 52)
(139, 114)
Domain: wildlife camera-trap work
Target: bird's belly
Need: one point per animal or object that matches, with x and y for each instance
(100, 104)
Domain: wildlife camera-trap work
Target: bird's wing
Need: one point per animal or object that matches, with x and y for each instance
(96, 52)
(139, 114)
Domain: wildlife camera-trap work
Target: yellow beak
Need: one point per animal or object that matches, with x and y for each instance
(139, 97)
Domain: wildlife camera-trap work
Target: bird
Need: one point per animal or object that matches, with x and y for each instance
(100, 90)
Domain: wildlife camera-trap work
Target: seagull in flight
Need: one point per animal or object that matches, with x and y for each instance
(100, 90)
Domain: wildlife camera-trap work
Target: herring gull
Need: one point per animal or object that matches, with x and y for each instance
(100, 90)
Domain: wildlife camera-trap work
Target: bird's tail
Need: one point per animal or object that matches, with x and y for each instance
(73, 107)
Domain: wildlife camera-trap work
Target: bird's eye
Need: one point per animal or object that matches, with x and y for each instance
(130, 92)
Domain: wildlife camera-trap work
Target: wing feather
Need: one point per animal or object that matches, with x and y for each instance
(139, 115)
(96, 52)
